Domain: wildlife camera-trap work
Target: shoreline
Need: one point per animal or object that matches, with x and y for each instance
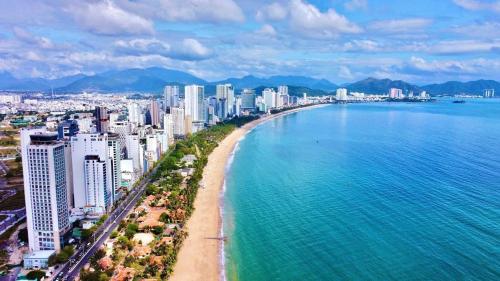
(201, 256)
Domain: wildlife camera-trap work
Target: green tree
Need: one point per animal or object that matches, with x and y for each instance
(35, 274)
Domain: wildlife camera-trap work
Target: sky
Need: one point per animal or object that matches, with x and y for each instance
(422, 42)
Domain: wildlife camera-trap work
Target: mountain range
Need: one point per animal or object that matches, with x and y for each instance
(153, 80)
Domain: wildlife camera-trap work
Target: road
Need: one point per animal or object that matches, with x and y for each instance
(71, 270)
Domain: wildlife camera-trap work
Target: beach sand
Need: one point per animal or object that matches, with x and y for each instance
(199, 257)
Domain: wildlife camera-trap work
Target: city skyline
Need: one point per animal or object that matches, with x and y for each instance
(342, 41)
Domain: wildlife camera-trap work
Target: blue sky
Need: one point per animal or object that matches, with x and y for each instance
(341, 40)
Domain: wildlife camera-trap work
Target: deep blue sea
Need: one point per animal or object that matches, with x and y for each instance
(380, 191)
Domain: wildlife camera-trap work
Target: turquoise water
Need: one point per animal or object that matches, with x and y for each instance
(368, 192)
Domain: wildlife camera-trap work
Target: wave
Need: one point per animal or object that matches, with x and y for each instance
(222, 255)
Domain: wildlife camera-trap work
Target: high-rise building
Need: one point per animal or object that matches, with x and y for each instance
(248, 99)
(283, 90)
(98, 197)
(45, 189)
(423, 95)
(67, 129)
(114, 150)
(226, 92)
(134, 114)
(489, 93)
(237, 106)
(84, 125)
(270, 98)
(101, 119)
(132, 144)
(168, 126)
(91, 195)
(178, 121)
(194, 96)
(155, 113)
(341, 94)
(395, 93)
(171, 95)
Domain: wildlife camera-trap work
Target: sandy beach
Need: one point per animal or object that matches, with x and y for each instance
(199, 257)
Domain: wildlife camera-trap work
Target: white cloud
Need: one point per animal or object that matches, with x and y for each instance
(267, 30)
(356, 4)
(464, 46)
(477, 5)
(105, 18)
(400, 25)
(485, 30)
(28, 37)
(187, 10)
(192, 49)
(273, 12)
(188, 49)
(362, 45)
(309, 21)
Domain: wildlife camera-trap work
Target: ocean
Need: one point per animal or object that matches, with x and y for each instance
(376, 191)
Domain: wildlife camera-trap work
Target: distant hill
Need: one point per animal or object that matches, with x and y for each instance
(454, 87)
(380, 86)
(251, 81)
(154, 79)
(141, 80)
(9, 82)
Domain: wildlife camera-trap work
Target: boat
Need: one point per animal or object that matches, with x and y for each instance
(458, 101)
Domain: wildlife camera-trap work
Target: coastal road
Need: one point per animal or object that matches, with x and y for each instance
(71, 269)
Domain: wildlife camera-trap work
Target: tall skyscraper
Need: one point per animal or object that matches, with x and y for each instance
(132, 144)
(489, 93)
(270, 98)
(171, 95)
(194, 95)
(45, 189)
(155, 113)
(67, 129)
(102, 119)
(226, 92)
(341, 94)
(98, 197)
(248, 99)
(168, 126)
(114, 150)
(178, 121)
(91, 195)
(134, 113)
(395, 93)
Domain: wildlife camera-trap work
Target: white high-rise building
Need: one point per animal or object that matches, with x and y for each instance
(84, 125)
(83, 145)
(283, 90)
(489, 93)
(171, 95)
(270, 98)
(193, 106)
(132, 145)
(226, 92)
(45, 189)
(178, 121)
(114, 150)
(134, 113)
(168, 126)
(96, 183)
(152, 149)
(395, 93)
(341, 94)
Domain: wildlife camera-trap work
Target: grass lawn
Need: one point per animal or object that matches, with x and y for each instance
(14, 202)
